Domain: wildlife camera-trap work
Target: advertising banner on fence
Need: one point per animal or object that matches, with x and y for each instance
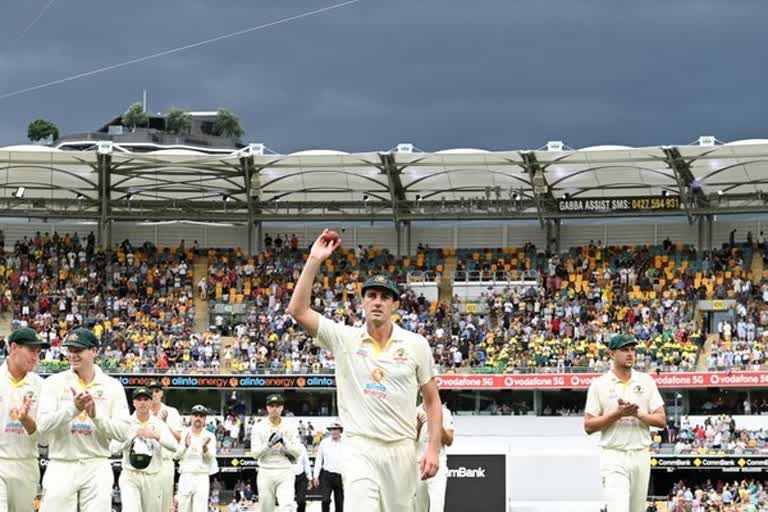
(476, 480)
(582, 380)
(448, 381)
(232, 381)
(738, 462)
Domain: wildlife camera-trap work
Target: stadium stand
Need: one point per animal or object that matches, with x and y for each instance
(142, 302)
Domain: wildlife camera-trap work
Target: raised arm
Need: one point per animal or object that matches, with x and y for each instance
(300, 306)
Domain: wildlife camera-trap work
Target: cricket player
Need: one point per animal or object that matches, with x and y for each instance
(430, 494)
(380, 369)
(197, 457)
(327, 472)
(622, 404)
(19, 397)
(172, 418)
(276, 446)
(81, 411)
(141, 485)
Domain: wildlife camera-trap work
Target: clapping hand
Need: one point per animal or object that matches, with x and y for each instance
(84, 402)
(23, 411)
(275, 438)
(148, 432)
(627, 408)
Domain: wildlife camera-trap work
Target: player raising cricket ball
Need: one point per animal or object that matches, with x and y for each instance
(380, 369)
(622, 405)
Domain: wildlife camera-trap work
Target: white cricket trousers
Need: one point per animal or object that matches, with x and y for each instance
(193, 492)
(86, 484)
(378, 476)
(167, 472)
(625, 475)
(430, 494)
(19, 480)
(140, 491)
(276, 483)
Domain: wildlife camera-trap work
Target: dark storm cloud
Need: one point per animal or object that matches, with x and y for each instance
(438, 73)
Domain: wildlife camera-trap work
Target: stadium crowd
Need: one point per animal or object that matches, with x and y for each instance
(718, 435)
(140, 301)
(747, 495)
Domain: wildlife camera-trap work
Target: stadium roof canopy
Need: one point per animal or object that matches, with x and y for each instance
(110, 182)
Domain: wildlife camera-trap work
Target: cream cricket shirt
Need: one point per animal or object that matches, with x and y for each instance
(167, 443)
(15, 443)
(275, 457)
(627, 433)
(377, 389)
(193, 459)
(173, 420)
(448, 424)
(73, 435)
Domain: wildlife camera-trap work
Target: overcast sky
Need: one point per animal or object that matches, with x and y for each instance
(492, 74)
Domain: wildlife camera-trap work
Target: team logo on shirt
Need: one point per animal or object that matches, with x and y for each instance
(400, 356)
(375, 388)
(637, 389)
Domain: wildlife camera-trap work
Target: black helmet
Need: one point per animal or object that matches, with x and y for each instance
(141, 452)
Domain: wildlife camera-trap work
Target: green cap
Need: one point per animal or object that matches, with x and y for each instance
(382, 281)
(27, 336)
(275, 398)
(621, 340)
(154, 384)
(142, 392)
(81, 338)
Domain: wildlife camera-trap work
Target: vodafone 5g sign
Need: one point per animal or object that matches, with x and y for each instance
(583, 380)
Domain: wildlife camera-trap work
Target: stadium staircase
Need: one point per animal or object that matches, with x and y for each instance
(5, 324)
(757, 266)
(445, 287)
(701, 364)
(200, 269)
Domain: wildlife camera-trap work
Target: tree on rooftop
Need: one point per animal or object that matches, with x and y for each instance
(227, 124)
(42, 130)
(135, 116)
(178, 121)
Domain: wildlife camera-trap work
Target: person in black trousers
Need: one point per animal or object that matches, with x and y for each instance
(303, 471)
(327, 473)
